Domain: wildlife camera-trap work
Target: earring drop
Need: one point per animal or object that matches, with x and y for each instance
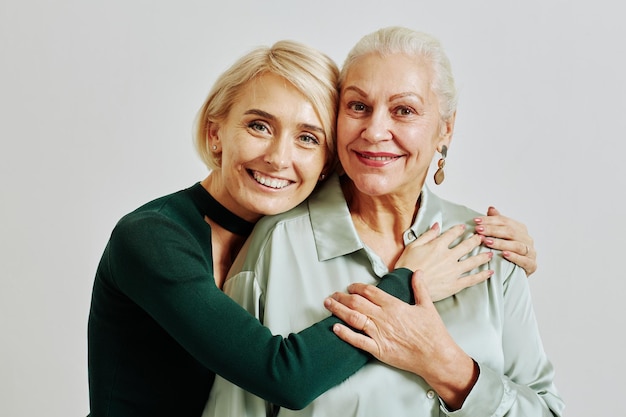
(214, 147)
(440, 175)
(322, 176)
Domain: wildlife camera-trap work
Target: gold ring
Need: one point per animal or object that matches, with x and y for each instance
(366, 323)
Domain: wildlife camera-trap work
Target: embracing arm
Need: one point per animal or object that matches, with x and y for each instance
(160, 267)
(165, 271)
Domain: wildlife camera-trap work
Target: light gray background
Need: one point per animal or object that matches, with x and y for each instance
(97, 99)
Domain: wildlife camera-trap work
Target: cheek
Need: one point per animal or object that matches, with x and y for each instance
(238, 156)
(312, 166)
(347, 123)
(345, 130)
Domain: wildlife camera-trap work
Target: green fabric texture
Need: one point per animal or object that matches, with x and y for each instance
(160, 329)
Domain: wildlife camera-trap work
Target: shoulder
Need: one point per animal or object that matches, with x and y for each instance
(163, 240)
(324, 204)
(160, 219)
(270, 231)
(453, 213)
(268, 224)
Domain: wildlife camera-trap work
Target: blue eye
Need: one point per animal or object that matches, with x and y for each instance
(258, 126)
(309, 139)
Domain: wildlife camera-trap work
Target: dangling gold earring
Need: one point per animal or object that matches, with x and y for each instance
(440, 175)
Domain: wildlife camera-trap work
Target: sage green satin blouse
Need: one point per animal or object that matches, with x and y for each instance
(314, 250)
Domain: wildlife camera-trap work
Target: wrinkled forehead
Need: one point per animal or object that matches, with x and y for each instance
(389, 74)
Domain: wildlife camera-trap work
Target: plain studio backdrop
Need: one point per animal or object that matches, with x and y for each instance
(97, 100)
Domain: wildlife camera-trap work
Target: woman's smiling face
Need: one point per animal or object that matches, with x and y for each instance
(389, 124)
(273, 148)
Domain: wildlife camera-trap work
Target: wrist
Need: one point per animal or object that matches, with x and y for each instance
(453, 384)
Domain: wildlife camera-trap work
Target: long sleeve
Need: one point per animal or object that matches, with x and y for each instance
(526, 387)
(167, 272)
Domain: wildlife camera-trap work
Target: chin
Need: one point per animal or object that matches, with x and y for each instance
(373, 186)
(271, 208)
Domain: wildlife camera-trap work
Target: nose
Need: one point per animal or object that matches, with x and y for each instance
(278, 154)
(377, 128)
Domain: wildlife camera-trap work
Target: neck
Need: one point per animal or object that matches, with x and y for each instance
(385, 213)
(214, 184)
(381, 220)
(229, 227)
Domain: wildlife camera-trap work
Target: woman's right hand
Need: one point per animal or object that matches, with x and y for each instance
(443, 271)
(409, 337)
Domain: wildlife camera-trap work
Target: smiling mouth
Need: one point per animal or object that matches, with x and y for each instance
(270, 182)
(377, 157)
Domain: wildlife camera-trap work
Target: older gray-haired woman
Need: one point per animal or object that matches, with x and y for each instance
(478, 353)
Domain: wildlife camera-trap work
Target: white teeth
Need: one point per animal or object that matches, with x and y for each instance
(270, 182)
(378, 158)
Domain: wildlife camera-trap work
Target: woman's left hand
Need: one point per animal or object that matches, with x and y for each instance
(509, 236)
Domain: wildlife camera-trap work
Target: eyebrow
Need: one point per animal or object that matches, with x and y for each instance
(393, 97)
(270, 116)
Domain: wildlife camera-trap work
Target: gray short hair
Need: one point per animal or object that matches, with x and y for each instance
(400, 40)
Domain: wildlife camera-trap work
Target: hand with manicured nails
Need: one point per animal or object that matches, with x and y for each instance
(431, 253)
(509, 236)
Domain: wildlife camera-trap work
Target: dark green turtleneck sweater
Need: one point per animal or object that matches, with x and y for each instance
(160, 329)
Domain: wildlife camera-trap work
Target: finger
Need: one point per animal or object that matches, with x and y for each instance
(473, 279)
(428, 235)
(357, 340)
(493, 216)
(517, 247)
(529, 265)
(496, 220)
(503, 231)
(452, 234)
(420, 290)
(357, 302)
(467, 245)
(370, 297)
(503, 227)
(475, 261)
(352, 317)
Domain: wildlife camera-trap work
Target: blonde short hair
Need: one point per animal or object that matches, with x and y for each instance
(311, 72)
(399, 40)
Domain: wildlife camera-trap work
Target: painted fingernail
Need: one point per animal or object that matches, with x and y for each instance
(488, 241)
(480, 229)
(478, 220)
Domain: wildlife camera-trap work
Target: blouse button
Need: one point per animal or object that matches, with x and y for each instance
(430, 394)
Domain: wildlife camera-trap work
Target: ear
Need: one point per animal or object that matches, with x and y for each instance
(447, 130)
(212, 135)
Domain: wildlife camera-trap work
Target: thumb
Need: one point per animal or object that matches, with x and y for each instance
(420, 290)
